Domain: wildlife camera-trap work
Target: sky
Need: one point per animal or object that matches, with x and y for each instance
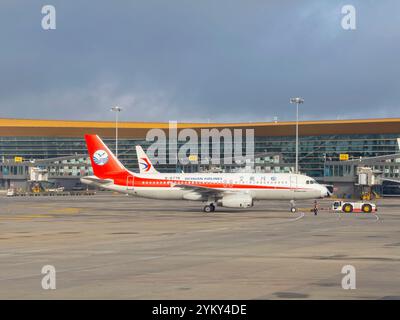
(199, 60)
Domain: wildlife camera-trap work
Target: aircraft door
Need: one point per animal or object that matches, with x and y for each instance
(130, 182)
(293, 183)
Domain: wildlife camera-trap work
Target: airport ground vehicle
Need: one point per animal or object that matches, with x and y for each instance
(231, 190)
(55, 189)
(44, 186)
(10, 193)
(358, 206)
(78, 187)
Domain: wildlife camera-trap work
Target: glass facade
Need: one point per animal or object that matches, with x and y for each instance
(314, 151)
(388, 169)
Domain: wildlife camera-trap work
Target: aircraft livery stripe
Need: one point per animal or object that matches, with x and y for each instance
(167, 183)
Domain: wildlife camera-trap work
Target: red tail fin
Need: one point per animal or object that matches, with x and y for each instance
(104, 163)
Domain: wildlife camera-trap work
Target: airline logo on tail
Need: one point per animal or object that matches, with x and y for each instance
(105, 165)
(100, 157)
(146, 164)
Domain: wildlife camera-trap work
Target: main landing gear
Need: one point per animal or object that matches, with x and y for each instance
(209, 208)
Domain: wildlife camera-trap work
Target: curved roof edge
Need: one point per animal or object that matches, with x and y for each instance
(76, 128)
(136, 124)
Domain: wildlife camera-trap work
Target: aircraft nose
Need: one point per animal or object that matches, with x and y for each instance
(324, 192)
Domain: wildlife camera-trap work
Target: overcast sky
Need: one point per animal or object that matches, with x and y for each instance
(225, 60)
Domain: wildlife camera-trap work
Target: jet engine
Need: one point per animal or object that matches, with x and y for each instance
(236, 201)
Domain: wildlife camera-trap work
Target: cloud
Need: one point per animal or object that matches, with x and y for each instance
(198, 61)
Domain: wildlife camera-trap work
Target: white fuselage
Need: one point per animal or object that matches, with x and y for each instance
(182, 186)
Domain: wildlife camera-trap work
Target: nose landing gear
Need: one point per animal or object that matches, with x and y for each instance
(293, 208)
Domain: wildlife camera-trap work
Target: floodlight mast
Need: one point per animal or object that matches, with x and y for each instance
(117, 110)
(297, 101)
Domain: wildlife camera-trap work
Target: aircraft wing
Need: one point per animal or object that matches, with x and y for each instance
(93, 179)
(206, 191)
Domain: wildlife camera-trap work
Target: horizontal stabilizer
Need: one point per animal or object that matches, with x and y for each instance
(95, 180)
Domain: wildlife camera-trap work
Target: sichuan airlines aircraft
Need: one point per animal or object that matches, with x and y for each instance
(231, 190)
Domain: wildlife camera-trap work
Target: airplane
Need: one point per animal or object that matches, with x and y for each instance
(230, 190)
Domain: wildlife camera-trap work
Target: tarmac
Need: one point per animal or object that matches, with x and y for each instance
(110, 246)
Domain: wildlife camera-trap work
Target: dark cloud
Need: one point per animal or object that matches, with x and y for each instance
(196, 60)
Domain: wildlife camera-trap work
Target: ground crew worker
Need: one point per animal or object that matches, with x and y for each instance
(315, 208)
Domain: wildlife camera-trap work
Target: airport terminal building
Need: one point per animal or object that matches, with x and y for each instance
(328, 150)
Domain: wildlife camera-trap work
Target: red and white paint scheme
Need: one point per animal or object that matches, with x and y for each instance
(232, 190)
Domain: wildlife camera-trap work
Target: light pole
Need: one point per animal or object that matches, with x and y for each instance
(117, 110)
(297, 101)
